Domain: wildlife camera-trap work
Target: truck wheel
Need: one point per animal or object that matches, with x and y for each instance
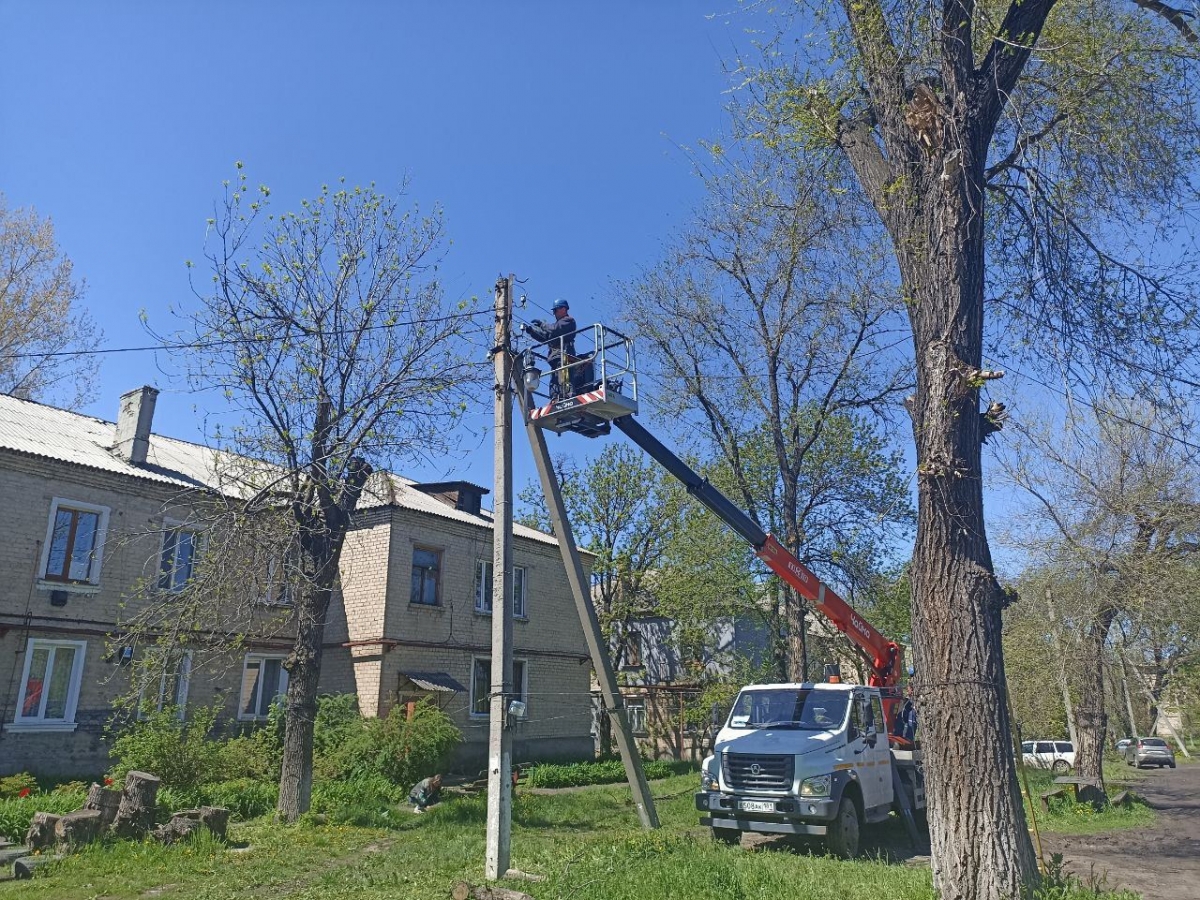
(729, 836)
(842, 837)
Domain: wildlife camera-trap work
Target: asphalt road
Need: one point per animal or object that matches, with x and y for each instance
(1161, 862)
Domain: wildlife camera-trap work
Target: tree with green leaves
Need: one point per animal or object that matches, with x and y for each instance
(768, 328)
(1025, 159)
(328, 332)
(1113, 521)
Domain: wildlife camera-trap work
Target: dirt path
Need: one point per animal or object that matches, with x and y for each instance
(1161, 862)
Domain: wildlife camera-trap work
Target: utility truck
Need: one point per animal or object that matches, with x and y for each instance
(799, 759)
(808, 759)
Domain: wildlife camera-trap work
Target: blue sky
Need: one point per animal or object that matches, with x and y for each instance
(551, 132)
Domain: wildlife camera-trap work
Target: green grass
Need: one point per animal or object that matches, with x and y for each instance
(586, 843)
(1068, 817)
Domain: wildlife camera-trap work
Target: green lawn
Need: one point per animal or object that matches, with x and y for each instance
(1073, 818)
(587, 843)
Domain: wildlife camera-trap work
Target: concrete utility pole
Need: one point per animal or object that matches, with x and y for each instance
(613, 701)
(499, 805)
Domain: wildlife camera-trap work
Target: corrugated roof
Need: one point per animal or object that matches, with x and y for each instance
(434, 681)
(388, 489)
(51, 433)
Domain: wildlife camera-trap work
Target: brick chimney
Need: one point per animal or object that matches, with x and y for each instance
(133, 424)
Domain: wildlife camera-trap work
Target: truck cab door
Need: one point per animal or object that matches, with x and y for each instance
(867, 739)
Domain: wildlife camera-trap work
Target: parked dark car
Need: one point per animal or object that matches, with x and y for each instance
(1149, 752)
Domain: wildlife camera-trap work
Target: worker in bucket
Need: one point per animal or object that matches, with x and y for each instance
(560, 349)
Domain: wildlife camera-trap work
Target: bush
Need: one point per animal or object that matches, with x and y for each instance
(404, 751)
(177, 751)
(607, 771)
(13, 785)
(16, 814)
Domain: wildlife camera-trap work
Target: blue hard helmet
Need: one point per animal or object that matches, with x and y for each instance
(560, 304)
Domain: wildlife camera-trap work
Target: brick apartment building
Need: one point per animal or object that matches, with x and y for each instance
(96, 507)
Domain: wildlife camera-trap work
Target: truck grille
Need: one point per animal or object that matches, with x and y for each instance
(754, 772)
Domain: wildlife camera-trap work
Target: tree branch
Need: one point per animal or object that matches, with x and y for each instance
(1007, 56)
(1177, 17)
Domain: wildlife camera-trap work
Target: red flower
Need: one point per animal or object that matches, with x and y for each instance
(107, 781)
(25, 792)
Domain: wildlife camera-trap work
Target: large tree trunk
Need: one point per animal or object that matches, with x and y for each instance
(797, 635)
(304, 671)
(980, 846)
(1091, 714)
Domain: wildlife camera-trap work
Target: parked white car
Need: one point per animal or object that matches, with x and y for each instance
(1057, 756)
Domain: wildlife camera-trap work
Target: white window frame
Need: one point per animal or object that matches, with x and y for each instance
(38, 723)
(638, 704)
(483, 589)
(283, 675)
(174, 525)
(524, 693)
(93, 579)
(181, 689)
(278, 590)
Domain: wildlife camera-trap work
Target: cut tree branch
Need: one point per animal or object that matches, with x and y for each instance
(1177, 17)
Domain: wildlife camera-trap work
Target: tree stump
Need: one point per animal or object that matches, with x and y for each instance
(23, 867)
(40, 835)
(135, 814)
(77, 829)
(215, 819)
(180, 828)
(105, 800)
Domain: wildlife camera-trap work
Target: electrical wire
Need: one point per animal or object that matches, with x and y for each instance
(229, 342)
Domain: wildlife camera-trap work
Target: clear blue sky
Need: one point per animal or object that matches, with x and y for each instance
(550, 132)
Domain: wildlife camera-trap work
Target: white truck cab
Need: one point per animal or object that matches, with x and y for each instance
(805, 759)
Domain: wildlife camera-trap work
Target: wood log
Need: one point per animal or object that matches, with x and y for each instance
(77, 829)
(106, 800)
(40, 835)
(1125, 798)
(464, 891)
(180, 828)
(135, 814)
(23, 867)
(9, 855)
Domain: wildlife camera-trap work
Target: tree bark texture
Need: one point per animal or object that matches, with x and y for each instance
(1091, 714)
(979, 843)
(40, 835)
(135, 814)
(77, 829)
(304, 670)
(106, 801)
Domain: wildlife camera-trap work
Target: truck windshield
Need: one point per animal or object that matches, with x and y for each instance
(789, 708)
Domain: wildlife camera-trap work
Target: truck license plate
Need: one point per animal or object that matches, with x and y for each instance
(766, 806)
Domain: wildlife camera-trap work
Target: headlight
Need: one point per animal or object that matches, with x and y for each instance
(708, 773)
(816, 787)
(708, 782)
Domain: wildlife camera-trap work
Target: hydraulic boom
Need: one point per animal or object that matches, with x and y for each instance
(883, 656)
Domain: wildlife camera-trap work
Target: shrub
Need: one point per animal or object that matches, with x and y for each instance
(246, 798)
(16, 814)
(252, 755)
(606, 771)
(14, 785)
(406, 750)
(177, 751)
(71, 787)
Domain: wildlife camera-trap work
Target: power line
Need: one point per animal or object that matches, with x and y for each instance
(228, 342)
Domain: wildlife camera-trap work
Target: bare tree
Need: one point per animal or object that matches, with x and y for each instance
(327, 331)
(45, 335)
